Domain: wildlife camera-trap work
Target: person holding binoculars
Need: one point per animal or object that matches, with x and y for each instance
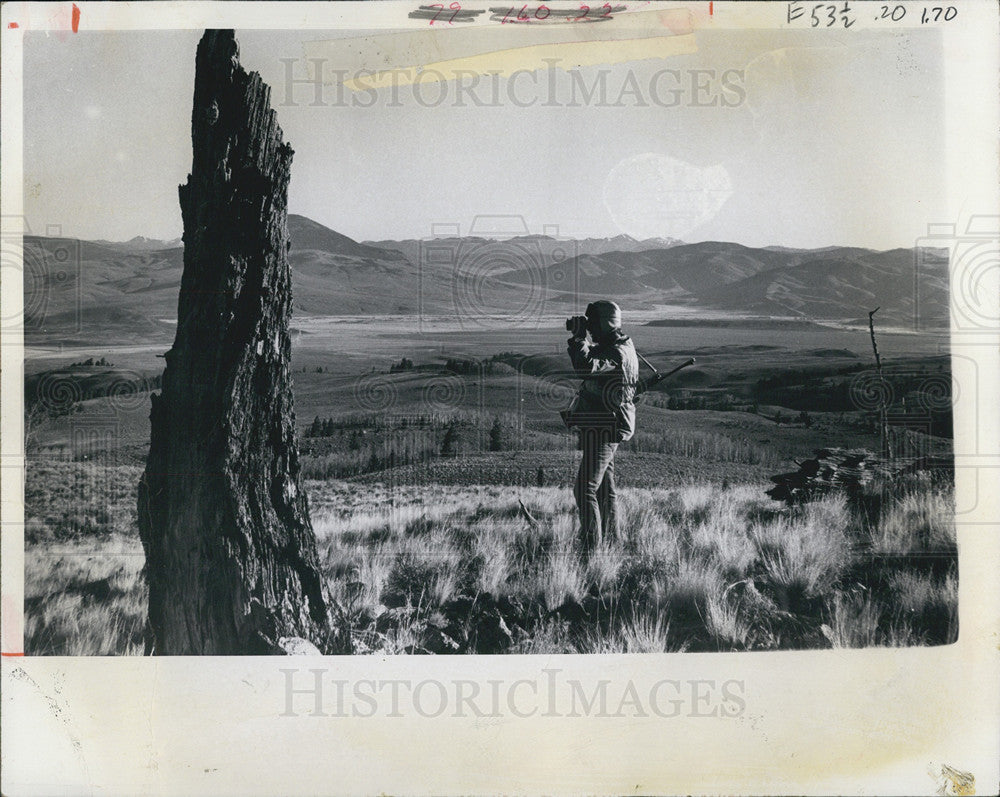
(603, 413)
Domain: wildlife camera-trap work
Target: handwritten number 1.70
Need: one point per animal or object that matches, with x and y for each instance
(937, 14)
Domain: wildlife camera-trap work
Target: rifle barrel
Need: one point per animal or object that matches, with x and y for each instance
(648, 363)
(685, 364)
(646, 384)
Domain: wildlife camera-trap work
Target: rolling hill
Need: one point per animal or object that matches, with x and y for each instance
(81, 289)
(839, 283)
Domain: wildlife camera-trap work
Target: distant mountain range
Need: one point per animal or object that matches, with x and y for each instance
(73, 288)
(411, 248)
(140, 243)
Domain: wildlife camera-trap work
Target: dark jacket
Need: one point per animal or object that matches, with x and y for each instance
(607, 395)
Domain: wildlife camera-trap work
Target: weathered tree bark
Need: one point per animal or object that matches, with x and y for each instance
(230, 552)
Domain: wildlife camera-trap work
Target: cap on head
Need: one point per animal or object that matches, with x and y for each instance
(607, 315)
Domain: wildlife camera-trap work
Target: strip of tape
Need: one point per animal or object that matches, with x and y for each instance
(421, 56)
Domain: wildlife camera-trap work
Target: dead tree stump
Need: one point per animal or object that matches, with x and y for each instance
(230, 552)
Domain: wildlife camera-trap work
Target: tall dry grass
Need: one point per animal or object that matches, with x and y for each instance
(694, 568)
(83, 599)
(444, 570)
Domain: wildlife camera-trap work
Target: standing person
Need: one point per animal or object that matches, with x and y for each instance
(603, 413)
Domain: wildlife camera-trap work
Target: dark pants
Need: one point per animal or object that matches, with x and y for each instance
(595, 488)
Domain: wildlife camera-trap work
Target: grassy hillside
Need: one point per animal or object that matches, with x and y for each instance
(417, 440)
(439, 569)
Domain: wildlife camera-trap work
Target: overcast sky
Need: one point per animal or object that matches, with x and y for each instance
(792, 139)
